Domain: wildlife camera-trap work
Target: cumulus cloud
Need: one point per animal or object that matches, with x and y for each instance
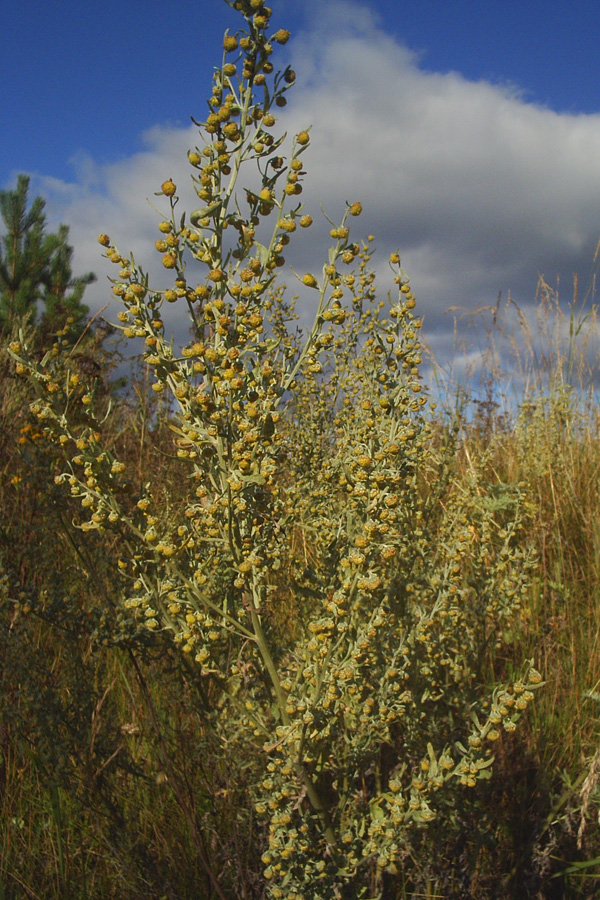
(480, 190)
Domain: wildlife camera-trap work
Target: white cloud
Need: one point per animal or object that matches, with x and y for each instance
(479, 190)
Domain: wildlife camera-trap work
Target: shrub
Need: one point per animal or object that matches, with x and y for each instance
(335, 588)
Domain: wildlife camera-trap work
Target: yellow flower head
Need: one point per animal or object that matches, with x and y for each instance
(168, 188)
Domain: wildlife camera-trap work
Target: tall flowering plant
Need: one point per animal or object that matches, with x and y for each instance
(332, 585)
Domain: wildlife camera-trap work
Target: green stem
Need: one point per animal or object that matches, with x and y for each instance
(311, 790)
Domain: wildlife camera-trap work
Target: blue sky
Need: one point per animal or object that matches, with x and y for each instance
(470, 131)
(92, 78)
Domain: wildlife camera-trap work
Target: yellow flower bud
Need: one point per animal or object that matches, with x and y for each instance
(309, 280)
(104, 240)
(168, 188)
(339, 233)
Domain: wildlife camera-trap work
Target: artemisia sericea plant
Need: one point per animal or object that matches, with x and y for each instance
(329, 581)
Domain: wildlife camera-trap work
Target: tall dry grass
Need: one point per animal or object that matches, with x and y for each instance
(531, 405)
